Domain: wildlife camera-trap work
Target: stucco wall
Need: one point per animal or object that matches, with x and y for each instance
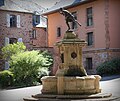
(55, 20)
(106, 31)
(114, 23)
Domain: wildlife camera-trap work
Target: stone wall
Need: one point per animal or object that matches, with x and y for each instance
(22, 32)
(14, 32)
(99, 56)
(41, 38)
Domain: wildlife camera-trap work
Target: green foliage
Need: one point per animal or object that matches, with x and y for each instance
(49, 60)
(42, 72)
(109, 67)
(12, 49)
(6, 78)
(26, 66)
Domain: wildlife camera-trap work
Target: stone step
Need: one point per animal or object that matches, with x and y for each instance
(99, 95)
(50, 99)
(93, 97)
(30, 99)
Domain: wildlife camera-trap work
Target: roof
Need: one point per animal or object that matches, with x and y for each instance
(65, 4)
(28, 6)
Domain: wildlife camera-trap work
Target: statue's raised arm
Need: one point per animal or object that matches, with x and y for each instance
(68, 17)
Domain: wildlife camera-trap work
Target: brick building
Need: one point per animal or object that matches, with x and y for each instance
(20, 23)
(100, 28)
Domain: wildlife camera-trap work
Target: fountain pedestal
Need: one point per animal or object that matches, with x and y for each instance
(71, 77)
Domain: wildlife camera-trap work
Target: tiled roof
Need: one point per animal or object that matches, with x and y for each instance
(65, 4)
(28, 6)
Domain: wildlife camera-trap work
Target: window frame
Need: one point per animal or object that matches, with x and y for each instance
(13, 20)
(13, 40)
(58, 31)
(36, 19)
(89, 16)
(89, 63)
(90, 39)
(34, 34)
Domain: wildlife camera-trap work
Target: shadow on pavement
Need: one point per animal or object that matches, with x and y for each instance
(105, 78)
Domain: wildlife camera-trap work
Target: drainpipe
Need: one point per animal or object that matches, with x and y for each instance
(106, 22)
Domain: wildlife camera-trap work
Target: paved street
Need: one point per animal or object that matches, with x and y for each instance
(108, 85)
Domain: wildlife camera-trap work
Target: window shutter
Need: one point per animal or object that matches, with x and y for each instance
(7, 65)
(7, 41)
(18, 21)
(19, 39)
(8, 20)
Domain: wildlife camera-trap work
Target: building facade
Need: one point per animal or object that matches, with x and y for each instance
(18, 23)
(100, 28)
(15, 27)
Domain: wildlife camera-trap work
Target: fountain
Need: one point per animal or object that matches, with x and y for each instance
(71, 80)
(71, 77)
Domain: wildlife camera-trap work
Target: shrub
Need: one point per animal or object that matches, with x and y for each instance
(12, 49)
(49, 60)
(6, 78)
(42, 72)
(109, 67)
(25, 67)
(29, 66)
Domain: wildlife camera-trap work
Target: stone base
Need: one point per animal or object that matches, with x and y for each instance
(71, 85)
(51, 97)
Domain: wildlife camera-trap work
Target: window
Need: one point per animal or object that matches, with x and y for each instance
(89, 63)
(90, 38)
(73, 24)
(13, 21)
(36, 20)
(89, 16)
(34, 34)
(58, 32)
(12, 40)
(1, 2)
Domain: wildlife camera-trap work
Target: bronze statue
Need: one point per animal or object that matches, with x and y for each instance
(68, 17)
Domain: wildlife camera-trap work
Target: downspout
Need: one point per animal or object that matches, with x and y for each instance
(106, 22)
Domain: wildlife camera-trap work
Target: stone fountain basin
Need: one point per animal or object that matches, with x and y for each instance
(71, 85)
